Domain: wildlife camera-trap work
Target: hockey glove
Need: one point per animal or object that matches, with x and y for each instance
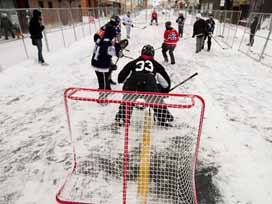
(163, 90)
(164, 46)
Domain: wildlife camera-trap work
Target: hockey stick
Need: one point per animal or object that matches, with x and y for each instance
(125, 56)
(139, 27)
(224, 48)
(158, 48)
(190, 77)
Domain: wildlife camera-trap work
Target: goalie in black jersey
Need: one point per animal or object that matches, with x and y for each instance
(147, 75)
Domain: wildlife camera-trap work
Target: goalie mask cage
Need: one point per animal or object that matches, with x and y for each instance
(147, 156)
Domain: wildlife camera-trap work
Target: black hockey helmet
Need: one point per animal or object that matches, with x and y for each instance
(36, 13)
(115, 20)
(168, 24)
(148, 50)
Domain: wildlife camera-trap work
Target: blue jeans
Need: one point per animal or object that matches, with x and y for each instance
(39, 46)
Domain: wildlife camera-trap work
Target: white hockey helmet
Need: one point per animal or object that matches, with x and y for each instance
(198, 15)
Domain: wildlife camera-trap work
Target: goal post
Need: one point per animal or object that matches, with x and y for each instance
(132, 147)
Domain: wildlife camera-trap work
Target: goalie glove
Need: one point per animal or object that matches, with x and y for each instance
(120, 54)
(163, 90)
(123, 44)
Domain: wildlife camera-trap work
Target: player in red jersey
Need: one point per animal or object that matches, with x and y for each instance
(171, 37)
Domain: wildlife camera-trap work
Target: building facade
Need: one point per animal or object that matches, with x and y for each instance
(64, 12)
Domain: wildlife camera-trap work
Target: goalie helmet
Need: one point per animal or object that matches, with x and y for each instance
(148, 50)
(115, 20)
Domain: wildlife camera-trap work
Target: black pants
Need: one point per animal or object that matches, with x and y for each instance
(170, 48)
(103, 80)
(251, 39)
(180, 29)
(38, 43)
(146, 83)
(209, 42)
(154, 19)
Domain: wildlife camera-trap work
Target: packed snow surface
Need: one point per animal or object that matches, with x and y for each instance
(36, 151)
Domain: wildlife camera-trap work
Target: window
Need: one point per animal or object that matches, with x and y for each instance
(50, 4)
(40, 3)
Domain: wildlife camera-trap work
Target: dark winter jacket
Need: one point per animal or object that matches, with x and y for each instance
(210, 25)
(200, 28)
(253, 26)
(100, 33)
(6, 23)
(145, 70)
(104, 49)
(35, 26)
(180, 20)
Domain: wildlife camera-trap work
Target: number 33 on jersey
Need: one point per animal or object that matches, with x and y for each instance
(144, 66)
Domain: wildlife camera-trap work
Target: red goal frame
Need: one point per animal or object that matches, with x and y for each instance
(70, 94)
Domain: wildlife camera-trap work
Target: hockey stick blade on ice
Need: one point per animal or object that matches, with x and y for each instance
(185, 80)
(224, 48)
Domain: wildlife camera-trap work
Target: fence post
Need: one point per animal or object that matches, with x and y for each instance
(236, 25)
(98, 11)
(267, 39)
(224, 23)
(45, 36)
(94, 19)
(82, 26)
(73, 24)
(61, 28)
(146, 10)
(242, 40)
(27, 56)
(89, 23)
(230, 27)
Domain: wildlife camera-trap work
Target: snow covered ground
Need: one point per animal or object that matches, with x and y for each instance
(35, 150)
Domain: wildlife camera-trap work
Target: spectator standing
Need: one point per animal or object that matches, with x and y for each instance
(35, 29)
(180, 21)
(253, 30)
(210, 27)
(6, 26)
(200, 30)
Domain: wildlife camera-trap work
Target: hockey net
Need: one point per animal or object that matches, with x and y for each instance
(140, 159)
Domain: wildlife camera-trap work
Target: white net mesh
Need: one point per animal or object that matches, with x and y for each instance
(127, 153)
